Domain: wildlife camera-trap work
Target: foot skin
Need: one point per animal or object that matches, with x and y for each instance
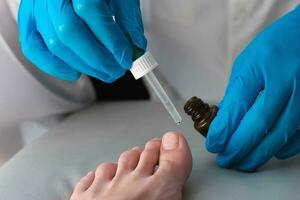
(158, 172)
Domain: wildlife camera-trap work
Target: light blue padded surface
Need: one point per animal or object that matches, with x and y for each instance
(49, 168)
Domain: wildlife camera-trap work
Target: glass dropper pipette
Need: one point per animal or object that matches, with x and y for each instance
(143, 66)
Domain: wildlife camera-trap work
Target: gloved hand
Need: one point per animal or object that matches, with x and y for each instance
(65, 38)
(259, 115)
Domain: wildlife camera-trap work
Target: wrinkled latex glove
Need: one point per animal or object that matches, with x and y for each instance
(259, 115)
(67, 38)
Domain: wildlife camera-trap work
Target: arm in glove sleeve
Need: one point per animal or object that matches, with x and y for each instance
(259, 115)
(68, 38)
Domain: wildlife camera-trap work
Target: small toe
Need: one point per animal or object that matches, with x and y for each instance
(175, 157)
(104, 174)
(106, 171)
(149, 157)
(128, 161)
(85, 183)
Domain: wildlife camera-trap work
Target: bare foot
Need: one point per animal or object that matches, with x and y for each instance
(156, 173)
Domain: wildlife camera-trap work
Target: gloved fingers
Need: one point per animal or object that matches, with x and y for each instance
(254, 126)
(128, 15)
(99, 18)
(35, 49)
(292, 147)
(75, 35)
(62, 52)
(284, 129)
(241, 92)
(241, 64)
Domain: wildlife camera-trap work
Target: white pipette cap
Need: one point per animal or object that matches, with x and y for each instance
(143, 65)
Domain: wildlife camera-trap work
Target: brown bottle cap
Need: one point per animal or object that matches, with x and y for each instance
(202, 114)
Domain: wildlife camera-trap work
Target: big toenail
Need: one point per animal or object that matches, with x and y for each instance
(170, 141)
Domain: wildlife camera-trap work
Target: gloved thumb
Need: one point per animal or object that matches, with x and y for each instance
(129, 17)
(243, 88)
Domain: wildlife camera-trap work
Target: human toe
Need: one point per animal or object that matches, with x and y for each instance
(128, 161)
(84, 183)
(149, 157)
(175, 157)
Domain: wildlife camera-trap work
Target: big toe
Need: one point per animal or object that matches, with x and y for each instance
(175, 157)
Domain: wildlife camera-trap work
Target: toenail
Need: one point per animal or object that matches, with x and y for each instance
(152, 145)
(170, 141)
(155, 139)
(136, 148)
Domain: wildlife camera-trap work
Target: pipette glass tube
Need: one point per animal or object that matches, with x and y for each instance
(163, 97)
(145, 64)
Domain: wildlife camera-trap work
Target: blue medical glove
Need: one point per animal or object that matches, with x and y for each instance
(259, 115)
(67, 38)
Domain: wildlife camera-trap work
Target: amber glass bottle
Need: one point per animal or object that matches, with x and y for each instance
(202, 114)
